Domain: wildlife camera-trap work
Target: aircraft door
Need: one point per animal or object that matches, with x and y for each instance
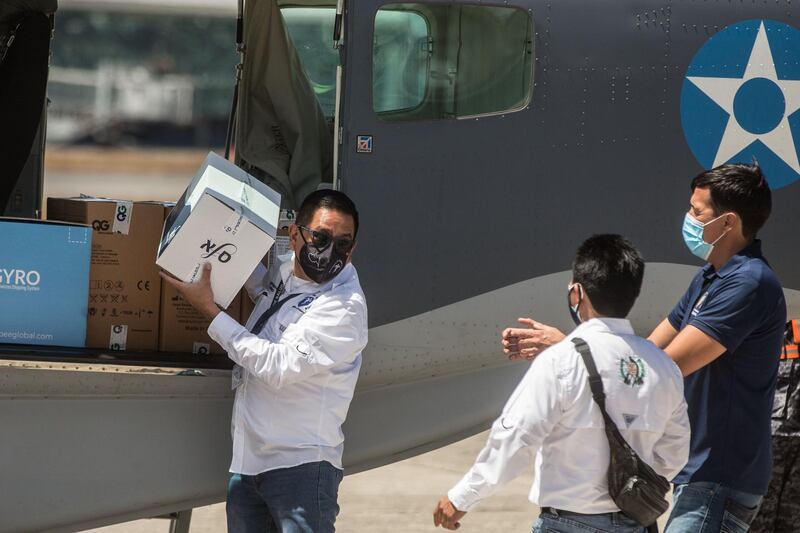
(435, 95)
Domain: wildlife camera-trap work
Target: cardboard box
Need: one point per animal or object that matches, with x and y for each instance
(225, 217)
(125, 288)
(183, 328)
(44, 281)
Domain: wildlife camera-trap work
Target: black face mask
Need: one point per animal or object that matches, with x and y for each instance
(321, 265)
(573, 310)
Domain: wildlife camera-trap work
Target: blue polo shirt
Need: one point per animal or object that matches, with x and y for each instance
(730, 400)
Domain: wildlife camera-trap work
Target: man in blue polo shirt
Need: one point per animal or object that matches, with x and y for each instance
(725, 334)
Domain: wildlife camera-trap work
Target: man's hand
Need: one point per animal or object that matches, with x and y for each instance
(446, 515)
(199, 293)
(528, 342)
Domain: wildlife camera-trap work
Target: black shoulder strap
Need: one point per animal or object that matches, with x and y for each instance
(595, 382)
(274, 308)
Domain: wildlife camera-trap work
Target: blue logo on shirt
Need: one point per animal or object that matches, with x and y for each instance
(305, 302)
(741, 97)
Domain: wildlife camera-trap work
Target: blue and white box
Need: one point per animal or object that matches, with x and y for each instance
(225, 217)
(44, 282)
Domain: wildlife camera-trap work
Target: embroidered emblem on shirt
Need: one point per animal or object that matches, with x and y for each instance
(631, 371)
(629, 419)
(700, 302)
(305, 302)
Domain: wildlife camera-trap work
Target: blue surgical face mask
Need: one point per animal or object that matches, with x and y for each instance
(693, 236)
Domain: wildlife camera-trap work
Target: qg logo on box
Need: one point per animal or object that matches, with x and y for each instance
(44, 282)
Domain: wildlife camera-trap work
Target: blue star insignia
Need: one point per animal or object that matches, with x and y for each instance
(758, 105)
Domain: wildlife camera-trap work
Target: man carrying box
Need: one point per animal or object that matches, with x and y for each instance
(297, 362)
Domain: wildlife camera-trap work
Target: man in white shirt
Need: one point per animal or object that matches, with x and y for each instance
(297, 362)
(552, 421)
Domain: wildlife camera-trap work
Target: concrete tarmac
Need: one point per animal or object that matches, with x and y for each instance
(397, 498)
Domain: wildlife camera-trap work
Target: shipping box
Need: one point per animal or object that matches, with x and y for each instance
(183, 328)
(44, 282)
(225, 217)
(125, 288)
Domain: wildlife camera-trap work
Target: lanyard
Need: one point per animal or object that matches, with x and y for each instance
(274, 308)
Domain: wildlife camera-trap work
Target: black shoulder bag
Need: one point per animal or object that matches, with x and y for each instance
(633, 485)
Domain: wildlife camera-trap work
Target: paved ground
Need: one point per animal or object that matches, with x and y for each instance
(397, 498)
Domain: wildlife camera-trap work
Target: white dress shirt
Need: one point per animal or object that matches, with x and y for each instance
(295, 378)
(551, 420)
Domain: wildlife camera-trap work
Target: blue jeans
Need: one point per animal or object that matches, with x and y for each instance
(707, 507)
(567, 522)
(301, 499)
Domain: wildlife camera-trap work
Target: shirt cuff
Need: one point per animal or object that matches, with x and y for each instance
(223, 329)
(462, 497)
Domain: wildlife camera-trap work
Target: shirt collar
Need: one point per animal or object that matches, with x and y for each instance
(621, 326)
(752, 250)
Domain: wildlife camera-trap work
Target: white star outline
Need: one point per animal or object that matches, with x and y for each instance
(723, 92)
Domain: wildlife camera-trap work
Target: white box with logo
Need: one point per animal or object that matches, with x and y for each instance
(225, 217)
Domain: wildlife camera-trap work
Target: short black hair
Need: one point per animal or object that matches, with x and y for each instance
(610, 270)
(328, 199)
(740, 188)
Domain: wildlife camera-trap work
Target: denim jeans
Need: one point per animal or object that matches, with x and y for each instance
(567, 522)
(706, 507)
(301, 499)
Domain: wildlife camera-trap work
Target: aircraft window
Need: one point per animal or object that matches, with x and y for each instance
(400, 60)
(311, 31)
(450, 61)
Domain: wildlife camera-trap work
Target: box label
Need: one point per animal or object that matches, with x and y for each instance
(122, 217)
(235, 223)
(201, 348)
(119, 337)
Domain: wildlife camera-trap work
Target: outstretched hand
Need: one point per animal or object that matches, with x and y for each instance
(529, 341)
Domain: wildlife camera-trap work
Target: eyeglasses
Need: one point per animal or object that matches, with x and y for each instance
(322, 239)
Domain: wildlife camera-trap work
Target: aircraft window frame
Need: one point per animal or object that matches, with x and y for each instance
(392, 115)
(424, 93)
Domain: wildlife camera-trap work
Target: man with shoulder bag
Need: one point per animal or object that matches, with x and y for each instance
(600, 415)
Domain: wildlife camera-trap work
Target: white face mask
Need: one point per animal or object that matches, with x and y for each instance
(573, 309)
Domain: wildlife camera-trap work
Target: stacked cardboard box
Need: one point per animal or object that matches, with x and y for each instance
(184, 329)
(44, 280)
(124, 287)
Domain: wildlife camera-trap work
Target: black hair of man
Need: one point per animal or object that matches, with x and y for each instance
(328, 199)
(610, 270)
(740, 188)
